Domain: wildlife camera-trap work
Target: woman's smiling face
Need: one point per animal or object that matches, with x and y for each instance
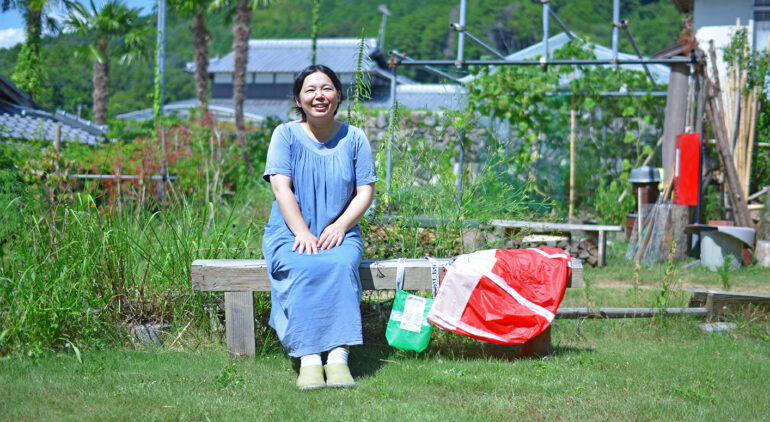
(318, 98)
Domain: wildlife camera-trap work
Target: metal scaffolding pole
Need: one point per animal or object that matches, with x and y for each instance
(460, 168)
(389, 168)
(402, 56)
(554, 62)
(624, 25)
(475, 39)
(562, 24)
(546, 8)
(615, 24)
(461, 36)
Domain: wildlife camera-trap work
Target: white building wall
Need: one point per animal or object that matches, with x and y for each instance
(717, 20)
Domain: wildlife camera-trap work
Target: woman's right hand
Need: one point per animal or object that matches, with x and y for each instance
(305, 242)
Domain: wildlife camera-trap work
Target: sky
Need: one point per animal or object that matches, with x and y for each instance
(12, 24)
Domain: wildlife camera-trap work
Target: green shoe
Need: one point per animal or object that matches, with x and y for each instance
(338, 375)
(311, 377)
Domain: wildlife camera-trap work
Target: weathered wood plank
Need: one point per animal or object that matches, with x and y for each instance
(580, 313)
(239, 323)
(547, 227)
(381, 274)
(241, 275)
(727, 301)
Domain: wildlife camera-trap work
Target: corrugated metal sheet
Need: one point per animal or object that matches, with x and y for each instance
(293, 55)
(434, 97)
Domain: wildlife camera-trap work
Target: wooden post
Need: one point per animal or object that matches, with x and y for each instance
(676, 110)
(540, 345)
(57, 138)
(239, 323)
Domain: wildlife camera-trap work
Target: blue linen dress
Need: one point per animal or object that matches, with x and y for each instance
(315, 298)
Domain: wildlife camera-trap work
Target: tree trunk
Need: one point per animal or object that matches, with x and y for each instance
(201, 37)
(101, 80)
(241, 33)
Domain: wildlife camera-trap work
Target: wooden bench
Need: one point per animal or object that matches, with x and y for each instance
(544, 227)
(239, 278)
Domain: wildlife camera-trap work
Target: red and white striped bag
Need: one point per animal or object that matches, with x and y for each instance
(503, 296)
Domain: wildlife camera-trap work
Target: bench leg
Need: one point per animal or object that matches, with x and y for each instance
(239, 323)
(602, 249)
(540, 345)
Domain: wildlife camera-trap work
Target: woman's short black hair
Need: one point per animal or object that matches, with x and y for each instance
(300, 79)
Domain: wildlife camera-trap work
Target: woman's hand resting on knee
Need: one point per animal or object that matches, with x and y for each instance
(305, 242)
(331, 236)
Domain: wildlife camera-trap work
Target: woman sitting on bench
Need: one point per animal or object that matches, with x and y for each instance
(322, 174)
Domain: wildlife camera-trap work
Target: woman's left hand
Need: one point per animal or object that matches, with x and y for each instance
(331, 236)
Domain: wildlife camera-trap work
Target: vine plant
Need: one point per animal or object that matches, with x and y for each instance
(615, 132)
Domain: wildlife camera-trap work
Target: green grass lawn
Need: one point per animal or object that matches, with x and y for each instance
(623, 369)
(642, 369)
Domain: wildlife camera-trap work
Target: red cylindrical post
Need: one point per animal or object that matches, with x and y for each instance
(686, 169)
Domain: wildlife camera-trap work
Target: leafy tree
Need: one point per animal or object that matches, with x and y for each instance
(28, 73)
(112, 29)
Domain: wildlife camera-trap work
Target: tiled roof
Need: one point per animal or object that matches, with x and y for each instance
(36, 124)
(253, 109)
(293, 55)
(22, 118)
(413, 96)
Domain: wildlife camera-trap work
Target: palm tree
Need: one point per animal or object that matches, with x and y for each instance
(241, 32)
(197, 10)
(112, 29)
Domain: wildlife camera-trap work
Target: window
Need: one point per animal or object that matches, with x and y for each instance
(284, 78)
(223, 78)
(761, 24)
(263, 78)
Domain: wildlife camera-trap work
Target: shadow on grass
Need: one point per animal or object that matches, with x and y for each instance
(367, 359)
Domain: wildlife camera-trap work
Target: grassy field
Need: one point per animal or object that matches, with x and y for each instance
(619, 370)
(643, 369)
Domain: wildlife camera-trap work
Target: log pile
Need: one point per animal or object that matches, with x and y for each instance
(583, 248)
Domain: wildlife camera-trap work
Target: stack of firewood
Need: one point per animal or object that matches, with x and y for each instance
(584, 249)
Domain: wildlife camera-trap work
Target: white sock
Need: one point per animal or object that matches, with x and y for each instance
(308, 360)
(338, 355)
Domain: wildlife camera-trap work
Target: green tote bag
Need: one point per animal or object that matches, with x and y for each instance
(408, 326)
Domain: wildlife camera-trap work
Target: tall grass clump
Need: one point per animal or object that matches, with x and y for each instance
(81, 262)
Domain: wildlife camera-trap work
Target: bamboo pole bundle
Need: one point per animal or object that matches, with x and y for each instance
(740, 113)
(715, 111)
